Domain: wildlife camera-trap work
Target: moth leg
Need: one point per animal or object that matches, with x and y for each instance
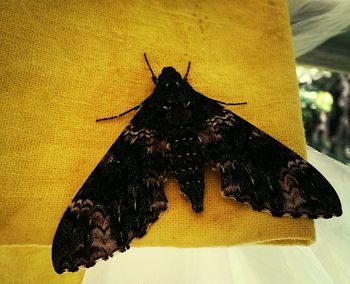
(229, 104)
(119, 115)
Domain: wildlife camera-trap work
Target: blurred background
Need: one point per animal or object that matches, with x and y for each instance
(321, 36)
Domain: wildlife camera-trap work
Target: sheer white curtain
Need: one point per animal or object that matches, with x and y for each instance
(315, 21)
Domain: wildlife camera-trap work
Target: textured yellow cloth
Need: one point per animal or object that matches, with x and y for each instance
(64, 65)
(31, 264)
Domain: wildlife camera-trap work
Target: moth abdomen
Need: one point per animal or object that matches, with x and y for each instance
(187, 164)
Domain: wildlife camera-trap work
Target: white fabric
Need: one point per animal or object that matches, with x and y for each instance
(327, 261)
(315, 21)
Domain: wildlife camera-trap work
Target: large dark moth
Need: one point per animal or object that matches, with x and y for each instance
(177, 131)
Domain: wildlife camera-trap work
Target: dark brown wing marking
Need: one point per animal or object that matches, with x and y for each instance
(120, 199)
(258, 170)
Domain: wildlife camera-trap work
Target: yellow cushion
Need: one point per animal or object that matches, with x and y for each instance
(63, 66)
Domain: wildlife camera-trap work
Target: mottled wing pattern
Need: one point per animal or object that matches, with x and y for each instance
(120, 199)
(177, 131)
(258, 170)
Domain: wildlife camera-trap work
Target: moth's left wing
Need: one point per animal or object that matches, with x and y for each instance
(257, 169)
(119, 200)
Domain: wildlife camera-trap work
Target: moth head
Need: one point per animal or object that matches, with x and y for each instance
(169, 78)
(172, 89)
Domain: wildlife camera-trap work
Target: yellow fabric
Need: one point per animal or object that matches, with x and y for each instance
(32, 264)
(64, 65)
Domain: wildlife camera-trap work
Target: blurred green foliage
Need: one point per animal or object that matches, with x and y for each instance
(325, 102)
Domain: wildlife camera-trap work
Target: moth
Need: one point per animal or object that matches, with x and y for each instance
(177, 132)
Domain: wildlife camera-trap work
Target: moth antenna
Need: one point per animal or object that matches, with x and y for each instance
(188, 70)
(154, 78)
(229, 104)
(119, 115)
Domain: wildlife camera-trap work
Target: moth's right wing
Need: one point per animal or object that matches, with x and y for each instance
(257, 169)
